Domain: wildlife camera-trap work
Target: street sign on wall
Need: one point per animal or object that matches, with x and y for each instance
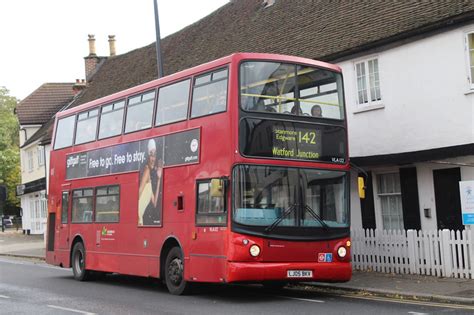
(466, 189)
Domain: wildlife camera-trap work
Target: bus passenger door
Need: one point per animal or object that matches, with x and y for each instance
(207, 255)
(64, 221)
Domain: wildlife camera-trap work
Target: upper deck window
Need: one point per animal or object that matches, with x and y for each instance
(173, 103)
(291, 89)
(111, 120)
(210, 93)
(140, 112)
(86, 126)
(64, 132)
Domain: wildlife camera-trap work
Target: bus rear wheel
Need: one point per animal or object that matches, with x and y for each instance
(79, 263)
(174, 273)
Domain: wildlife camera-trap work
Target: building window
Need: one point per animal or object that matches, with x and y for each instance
(40, 153)
(37, 209)
(211, 208)
(470, 51)
(30, 161)
(32, 209)
(368, 82)
(390, 196)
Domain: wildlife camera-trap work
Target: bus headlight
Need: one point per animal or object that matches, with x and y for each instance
(342, 252)
(254, 250)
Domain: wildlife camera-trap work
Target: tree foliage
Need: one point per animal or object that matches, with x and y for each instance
(9, 147)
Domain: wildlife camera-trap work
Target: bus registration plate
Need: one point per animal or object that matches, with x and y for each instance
(299, 274)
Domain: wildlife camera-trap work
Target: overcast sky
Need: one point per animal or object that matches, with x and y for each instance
(46, 40)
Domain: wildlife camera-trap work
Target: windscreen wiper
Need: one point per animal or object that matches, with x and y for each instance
(316, 216)
(286, 213)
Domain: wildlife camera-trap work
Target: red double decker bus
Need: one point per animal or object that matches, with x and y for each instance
(232, 171)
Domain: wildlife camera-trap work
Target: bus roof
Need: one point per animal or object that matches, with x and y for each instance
(235, 57)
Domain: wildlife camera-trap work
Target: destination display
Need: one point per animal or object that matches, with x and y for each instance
(292, 140)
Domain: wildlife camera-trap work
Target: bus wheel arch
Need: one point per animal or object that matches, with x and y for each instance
(169, 243)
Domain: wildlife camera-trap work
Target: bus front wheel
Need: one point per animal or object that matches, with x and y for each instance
(79, 262)
(174, 273)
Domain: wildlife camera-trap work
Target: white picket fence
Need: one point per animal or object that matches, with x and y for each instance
(442, 253)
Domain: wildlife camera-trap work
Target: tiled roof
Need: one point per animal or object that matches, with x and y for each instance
(325, 30)
(38, 107)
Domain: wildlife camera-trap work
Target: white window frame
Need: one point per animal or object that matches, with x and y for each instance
(469, 60)
(382, 195)
(365, 75)
(31, 163)
(40, 152)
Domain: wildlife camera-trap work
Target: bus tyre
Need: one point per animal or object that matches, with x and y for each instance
(174, 273)
(79, 263)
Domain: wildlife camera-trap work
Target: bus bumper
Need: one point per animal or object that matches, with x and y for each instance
(261, 271)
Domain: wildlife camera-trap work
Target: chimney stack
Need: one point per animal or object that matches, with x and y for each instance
(91, 45)
(79, 86)
(92, 62)
(112, 45)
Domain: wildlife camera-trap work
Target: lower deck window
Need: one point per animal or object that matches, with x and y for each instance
(82, 205)
(211, 208)
(107, 204)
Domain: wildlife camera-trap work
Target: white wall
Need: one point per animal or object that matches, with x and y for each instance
(426, 192)
(38, 170)
(425, 97)
(426, 185)
(27, 131)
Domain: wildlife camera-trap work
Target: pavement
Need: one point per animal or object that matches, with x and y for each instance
(408, 287)
(14, 243)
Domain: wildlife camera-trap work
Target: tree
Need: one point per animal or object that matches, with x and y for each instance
(9, 147)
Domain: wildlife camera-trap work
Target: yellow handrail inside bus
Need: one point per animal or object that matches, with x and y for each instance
(290, 99)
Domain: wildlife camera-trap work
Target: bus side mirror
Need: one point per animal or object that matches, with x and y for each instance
(361, 183)
(217, 187)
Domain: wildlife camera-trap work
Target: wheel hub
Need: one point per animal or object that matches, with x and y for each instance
(79, 261)
(175, 271)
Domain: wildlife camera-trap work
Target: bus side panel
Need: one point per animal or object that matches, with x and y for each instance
(208, 258)
(207, 269)
(102, 262)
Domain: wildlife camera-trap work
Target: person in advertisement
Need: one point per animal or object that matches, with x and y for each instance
(149, 203)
